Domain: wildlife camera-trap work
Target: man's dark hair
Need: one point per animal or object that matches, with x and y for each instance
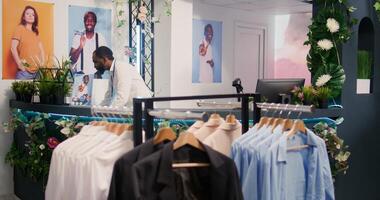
(206, 27)
(104, 52)
(88, 14)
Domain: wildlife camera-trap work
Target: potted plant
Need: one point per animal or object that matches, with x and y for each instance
(16, 87)
(309, 95)
(364, 72)
(323, 94)
(24, 90)
(54, 82)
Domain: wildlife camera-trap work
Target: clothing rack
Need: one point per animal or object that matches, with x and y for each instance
(140, 112)
(286, 107)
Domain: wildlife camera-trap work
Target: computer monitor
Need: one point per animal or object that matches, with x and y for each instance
(271, 89)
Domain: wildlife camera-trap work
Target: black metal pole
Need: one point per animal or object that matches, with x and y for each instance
(245, 113)
(148, 124)
(137, 122)
(256, 109)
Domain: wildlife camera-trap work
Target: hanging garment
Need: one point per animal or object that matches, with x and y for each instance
(154, 177)
(121, 182)
(197, 125)
(81, 166)
(297, 174)
(208, 128)
(221, 140)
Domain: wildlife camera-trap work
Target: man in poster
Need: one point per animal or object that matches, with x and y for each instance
(206, 62)
(84, 44)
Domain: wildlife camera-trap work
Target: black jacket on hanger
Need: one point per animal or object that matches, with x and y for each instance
(121, 182)
(154, 177)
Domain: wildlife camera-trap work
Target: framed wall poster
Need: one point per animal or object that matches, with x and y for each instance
(82, 89)
(89, 27)
(32, 47)
(207, 51)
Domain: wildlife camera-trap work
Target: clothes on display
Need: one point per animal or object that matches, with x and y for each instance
(81, 166)
(150, 171)
(276, 163)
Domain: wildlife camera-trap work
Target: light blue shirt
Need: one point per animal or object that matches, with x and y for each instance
(299, 174)
(253, 181)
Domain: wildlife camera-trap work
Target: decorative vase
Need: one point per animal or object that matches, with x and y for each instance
(47, 99)
(59, 97)
(27, 98)
(363, 86)
(18, 96)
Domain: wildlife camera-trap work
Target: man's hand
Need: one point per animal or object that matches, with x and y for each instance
(82, 41)
(211, 63)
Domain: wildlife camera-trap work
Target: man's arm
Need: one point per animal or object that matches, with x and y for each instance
(108, 96)
(75, 52)
(124, 83)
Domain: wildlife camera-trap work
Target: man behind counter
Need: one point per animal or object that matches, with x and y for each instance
(125, 82)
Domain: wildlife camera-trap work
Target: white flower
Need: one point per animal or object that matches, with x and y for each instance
(332, 25)
(322, 80)
(65, 131)
(42, 147)
(325, 44)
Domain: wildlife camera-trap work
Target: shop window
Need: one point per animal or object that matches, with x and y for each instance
(365, 57)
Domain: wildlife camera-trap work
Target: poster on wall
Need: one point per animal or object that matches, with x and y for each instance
(89, 28)
(207, 51)
(82, 88)
(290, 52)
(28, 39)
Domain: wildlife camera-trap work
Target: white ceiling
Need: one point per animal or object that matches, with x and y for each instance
(264, 6)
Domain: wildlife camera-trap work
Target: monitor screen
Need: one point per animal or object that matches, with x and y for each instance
(270, 89)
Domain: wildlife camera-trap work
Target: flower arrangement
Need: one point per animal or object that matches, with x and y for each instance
(34, 159)
(336, 148)
(311, 95)
(330, 28)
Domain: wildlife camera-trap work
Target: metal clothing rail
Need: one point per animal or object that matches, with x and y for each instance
(139, 112)
(286, 107)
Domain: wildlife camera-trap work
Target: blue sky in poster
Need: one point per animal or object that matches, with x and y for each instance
(198, 35)
(103, 26)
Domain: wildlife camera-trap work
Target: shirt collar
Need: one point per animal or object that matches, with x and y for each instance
(230, 126)
(113, 65)
(311, 140)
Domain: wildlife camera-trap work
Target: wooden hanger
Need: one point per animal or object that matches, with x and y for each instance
(214, 116)
(231, 119)
(163, 134)
(287, 124)
(277, 122)
(187, 138)
(263, 120)
(298, 126)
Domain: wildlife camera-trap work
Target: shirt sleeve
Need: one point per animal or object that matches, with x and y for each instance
(76, 41)
(17, 34)
(123, 85)
(108, 95)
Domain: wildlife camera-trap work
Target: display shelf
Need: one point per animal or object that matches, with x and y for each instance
(48, 108)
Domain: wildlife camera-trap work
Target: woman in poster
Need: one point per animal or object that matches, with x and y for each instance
(206, 62)
(26, 47)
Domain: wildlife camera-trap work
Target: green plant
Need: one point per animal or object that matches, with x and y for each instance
(364, 64)
(309, 94)
(336, 148)
(330, 28)
(323, 93)
(34, 159)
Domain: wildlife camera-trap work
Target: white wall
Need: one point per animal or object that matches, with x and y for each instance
(181, 46)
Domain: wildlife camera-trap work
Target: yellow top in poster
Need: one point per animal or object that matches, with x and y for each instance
(28, 37)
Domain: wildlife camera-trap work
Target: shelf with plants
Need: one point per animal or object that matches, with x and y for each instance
(24, 90)
(54, 83)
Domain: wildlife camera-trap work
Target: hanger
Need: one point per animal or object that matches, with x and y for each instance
(187, 138)
(231, 119)
(298, 126)
(287, 123)
(263, 120)
(271, 119)
(165, 133)
(279, 120)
